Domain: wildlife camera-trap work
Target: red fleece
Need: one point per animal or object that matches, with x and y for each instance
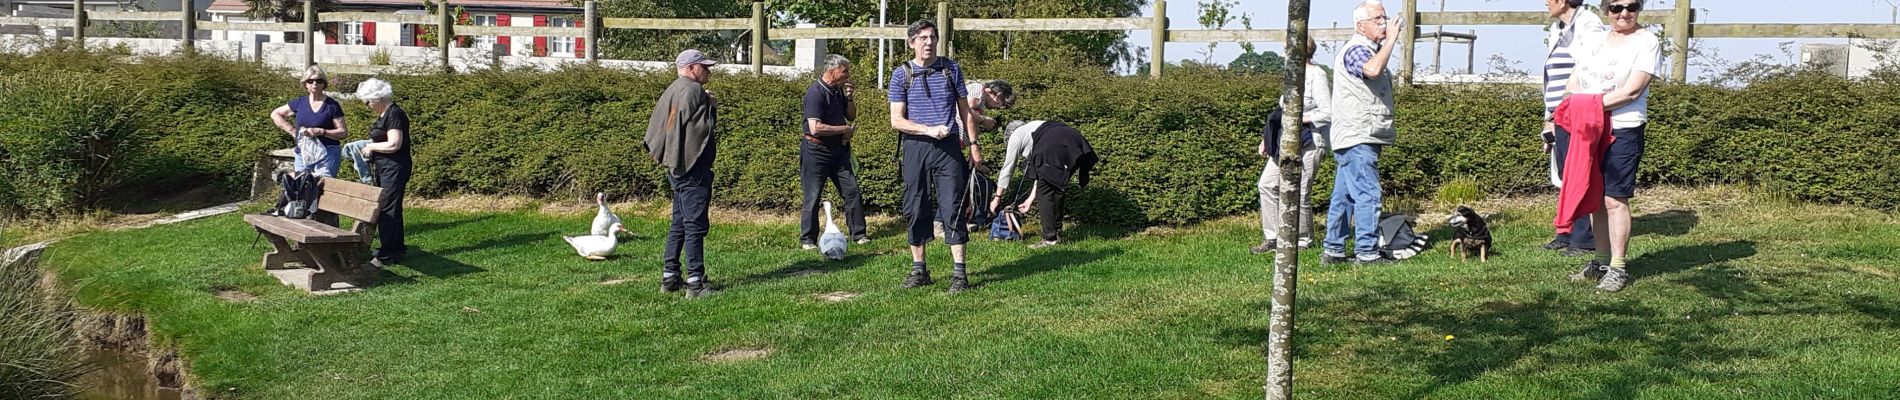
(1584, 118)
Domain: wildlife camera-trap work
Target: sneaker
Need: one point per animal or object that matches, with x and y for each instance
(1329, 259)
(1306, 243)
(1558, 244)
(918, 279)
(1376, 261)
(807, 246)
(864, 240)
(671, 284)
(1045, 243)
(959, 284)
(1576, 252)
(1266, 246)
(702, 288)
(1591, 271)
(1614, 279)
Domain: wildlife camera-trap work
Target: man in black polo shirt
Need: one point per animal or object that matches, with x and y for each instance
(825, 151)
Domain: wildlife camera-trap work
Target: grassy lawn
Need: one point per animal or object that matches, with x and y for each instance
(1734, 297)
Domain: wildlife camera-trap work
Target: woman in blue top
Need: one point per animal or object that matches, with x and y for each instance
(315, 115)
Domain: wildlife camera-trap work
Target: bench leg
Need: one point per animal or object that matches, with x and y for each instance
(281, 252)
(334, 264)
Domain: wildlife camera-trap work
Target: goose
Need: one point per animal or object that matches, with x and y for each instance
(832, 243)
(605, 219)
(595, 247)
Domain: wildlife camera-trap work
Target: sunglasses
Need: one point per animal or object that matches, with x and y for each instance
(1619, 8)
(316, 81)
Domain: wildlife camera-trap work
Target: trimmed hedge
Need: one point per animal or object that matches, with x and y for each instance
(1175, 150)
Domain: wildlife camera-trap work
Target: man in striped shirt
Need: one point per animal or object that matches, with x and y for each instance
(1573, 25)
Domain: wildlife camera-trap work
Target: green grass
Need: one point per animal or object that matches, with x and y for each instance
(1732, 299)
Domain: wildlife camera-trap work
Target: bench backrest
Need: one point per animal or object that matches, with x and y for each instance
(350, 199)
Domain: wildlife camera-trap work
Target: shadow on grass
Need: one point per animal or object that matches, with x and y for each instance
(811, 267)
(1666, 223)
(1044, 261)
(449, 222)
(433, 265)
(514, 240)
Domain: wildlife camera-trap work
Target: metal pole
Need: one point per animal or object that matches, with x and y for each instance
(1679, 33)
(1438, 43)
(1158, 58)
(1408, 41)
(309, 33)
(188, 23)
(1471, 54)
(593, 32)
(445, 33)
(883, 6)
(944, 30)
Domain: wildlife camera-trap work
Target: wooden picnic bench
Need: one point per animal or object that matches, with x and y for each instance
(317, 256)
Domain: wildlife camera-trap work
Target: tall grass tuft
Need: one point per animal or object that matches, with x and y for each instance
(40, 353)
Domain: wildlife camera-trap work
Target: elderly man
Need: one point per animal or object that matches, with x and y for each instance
(825, 152)
(927, 113)
(1362, 127)
(1573, 25)
(680, 138)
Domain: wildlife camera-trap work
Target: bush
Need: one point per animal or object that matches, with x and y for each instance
(1174, 150)
(67, 137)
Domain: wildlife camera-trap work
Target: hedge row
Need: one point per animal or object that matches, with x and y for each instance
(1175, 150)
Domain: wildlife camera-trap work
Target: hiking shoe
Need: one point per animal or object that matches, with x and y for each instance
(1576, 252)
(702, 288)
(1045, 243)
(864, 240)
(917, 279)
(1328, 259)
(1306, 243)
(671, 284)
(807, 246)
(1591, 271)
(1376, 261)
(958, 284)
(1558, 244)
(1265, 247)
(1614, 279)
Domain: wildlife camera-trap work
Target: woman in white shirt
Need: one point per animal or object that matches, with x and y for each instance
(1315, 118)
(1619, 65)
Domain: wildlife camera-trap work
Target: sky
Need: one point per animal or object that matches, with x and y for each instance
(1524, 45)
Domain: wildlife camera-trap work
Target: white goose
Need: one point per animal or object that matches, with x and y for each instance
(596, 247)
(832, 243)
(605, 219)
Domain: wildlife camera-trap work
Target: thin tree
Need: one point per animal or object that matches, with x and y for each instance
(1286, 259)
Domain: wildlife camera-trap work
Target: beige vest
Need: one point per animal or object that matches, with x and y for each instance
(1362, 108)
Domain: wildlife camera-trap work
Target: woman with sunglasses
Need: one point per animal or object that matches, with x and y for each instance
(1618, 65)
(317, 116)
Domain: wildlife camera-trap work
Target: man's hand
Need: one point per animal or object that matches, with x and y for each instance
(364, 152)
(1023, 208)
(849, 90)
(1392, 31)
(996, 201)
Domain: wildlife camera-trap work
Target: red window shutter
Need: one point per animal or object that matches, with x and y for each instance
(369, 33)
(329, 35)
(540, 42)
(580, 44)
(415, 34)
(502, 20)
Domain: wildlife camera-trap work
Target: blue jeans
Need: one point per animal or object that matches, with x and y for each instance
(325, 167)
(1355, 191)
(354, 150)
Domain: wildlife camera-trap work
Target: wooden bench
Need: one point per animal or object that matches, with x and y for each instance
(320, 257)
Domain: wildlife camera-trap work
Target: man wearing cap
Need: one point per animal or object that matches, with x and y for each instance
(925, 111)
(680, 138)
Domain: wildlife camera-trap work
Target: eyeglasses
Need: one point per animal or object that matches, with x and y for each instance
(1378, 18)
(1619, 8)
(316, 81)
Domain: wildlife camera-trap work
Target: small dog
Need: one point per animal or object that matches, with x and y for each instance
(1469, 234)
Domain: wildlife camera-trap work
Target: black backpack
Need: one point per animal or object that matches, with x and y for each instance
(301, 192)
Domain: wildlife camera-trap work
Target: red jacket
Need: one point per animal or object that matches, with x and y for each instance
(1587, 122)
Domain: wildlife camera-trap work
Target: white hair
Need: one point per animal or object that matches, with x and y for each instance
(374, 89)
(315, 70)
(835, 61)
(1364, 10)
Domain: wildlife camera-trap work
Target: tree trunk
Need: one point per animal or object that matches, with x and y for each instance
(1286, 259)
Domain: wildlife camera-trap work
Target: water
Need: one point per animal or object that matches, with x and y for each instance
(122, 376)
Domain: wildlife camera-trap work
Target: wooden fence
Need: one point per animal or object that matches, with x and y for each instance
(1158, 23)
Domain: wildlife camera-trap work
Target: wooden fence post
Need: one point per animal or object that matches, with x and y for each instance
(1408, 41)
(592, 24)
(309, 33)
(1679, 32)
(79, 23)
(445, 35)
(1158, 57)
(944, 31)
(188, 24)
(758, 37)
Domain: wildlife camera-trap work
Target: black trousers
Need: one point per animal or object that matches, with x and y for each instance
(692, 196)
(1580, 236)
(816, 164)
(1049, 209)
(939, 163)
(394, 179)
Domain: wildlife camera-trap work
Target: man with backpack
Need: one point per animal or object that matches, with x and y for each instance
(925, 111)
